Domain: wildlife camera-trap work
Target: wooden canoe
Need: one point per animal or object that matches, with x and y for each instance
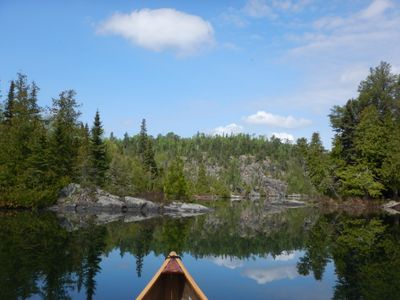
(172, 282)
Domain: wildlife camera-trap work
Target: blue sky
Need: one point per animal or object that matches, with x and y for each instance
(255, 66)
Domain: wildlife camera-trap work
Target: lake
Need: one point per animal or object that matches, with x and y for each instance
(242, 250)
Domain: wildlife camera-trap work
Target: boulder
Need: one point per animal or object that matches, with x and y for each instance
(69, 190)
(109, 202)
(186, 207)
(392, 207)
(83, 205)
(137, 204)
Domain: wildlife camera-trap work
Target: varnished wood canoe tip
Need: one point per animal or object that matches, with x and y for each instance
(171, 282)
(172, 254)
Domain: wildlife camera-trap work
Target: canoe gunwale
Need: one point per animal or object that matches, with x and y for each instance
(185, 272)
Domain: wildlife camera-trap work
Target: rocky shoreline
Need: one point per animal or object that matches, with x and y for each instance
(76, 199)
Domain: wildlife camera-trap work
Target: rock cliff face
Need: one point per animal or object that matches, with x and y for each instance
(258, 175)
(74, 198)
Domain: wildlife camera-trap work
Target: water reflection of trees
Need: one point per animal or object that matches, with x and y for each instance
(37, 256)
(365, 252)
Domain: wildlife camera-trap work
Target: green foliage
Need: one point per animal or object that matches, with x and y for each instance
(366, 140)
(365, 254)
(318, 244)
(48, 259)
(146, 152)
(175, 185)
(26, 178)
(9, 105)
(64, 136)
(219, 188)
(318, 166)
(40, 153)
(203, 181)
(358, 181)
(99, 160)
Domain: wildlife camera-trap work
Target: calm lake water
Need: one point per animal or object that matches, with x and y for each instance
(240, 251)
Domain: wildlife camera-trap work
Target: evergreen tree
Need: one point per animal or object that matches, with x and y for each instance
(149, 161)
(142, 142)
(25, 178)
(83, 165)
(9, 107)
(98, 151)
(65, 137)
(145, 151)
(365, 135)
(175, 185)
(125, 141)
(391, 163)
(318, 167)
(202, 184)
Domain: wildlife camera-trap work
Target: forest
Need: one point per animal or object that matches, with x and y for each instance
(42, 149)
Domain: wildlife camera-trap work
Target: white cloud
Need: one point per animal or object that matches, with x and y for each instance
(354, 75)
(271, 9)
(258, 9)
(360, 35)
(292, 5)
(228, 129)
(262, 276)
(376, 8)
(232, 16)
(284, 137)
(230, 263)
(337, 51)
(266, 118)
(395, 69)
(285, 256)
(161, 29)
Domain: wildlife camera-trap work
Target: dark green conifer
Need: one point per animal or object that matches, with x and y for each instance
(65, 136)
(99, 155)
(9, 107)
(142, 142)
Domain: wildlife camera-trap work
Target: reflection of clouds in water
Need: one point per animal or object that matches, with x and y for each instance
(263, 276)
(284, 256)
(228, 262)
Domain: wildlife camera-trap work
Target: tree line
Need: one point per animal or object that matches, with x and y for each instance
(43, 149)
(365, 158)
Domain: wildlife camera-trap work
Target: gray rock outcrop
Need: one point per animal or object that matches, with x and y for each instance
(392, 207)
(185, 207)
(76, 199)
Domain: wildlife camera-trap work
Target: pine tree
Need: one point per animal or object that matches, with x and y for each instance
(202, 184)
(364, 136)
(65, 137)
(25, 177)
(98, 152)
(84, 159)
(149, 161)
(145, 151)
(142, 142)
(9, 107)
(317, 165)
(32, 99)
